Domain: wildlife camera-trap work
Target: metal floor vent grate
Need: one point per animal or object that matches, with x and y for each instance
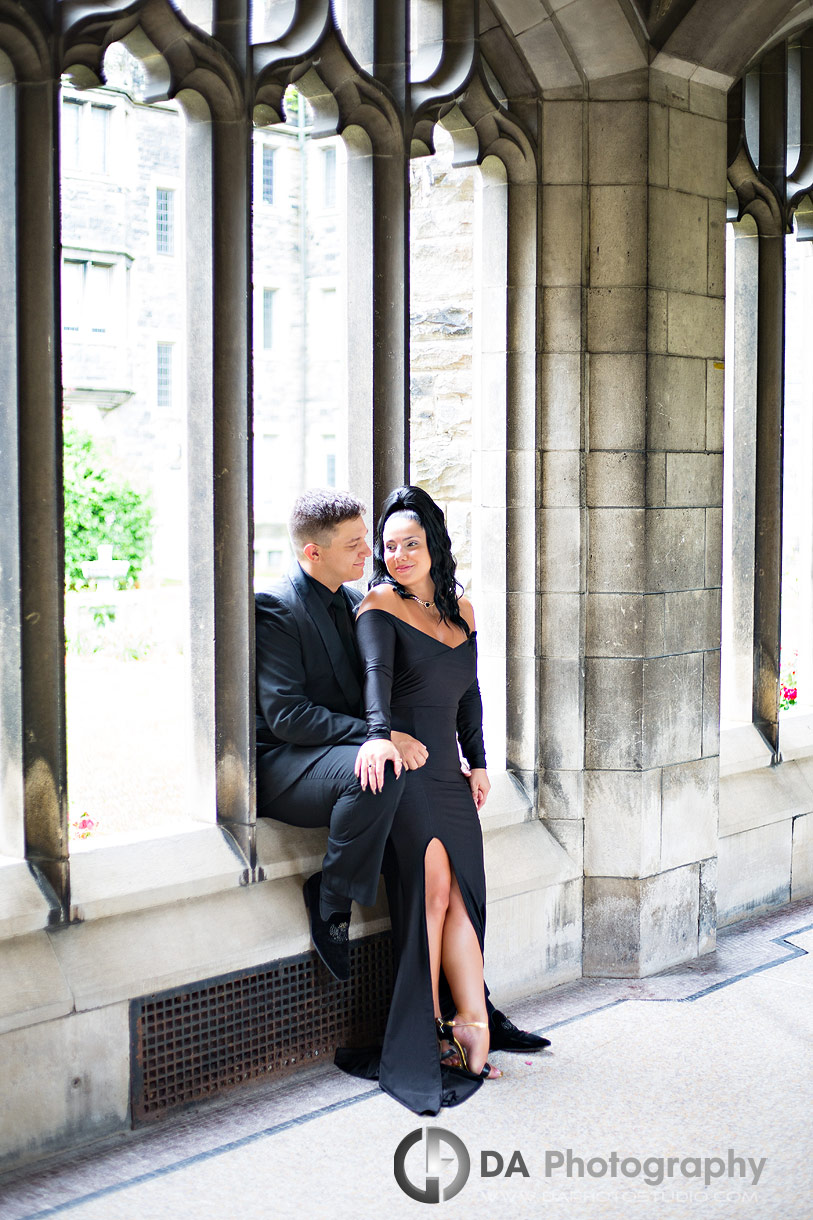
(197, 1042)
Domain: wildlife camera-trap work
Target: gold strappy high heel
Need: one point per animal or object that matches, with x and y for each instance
(445, 1032)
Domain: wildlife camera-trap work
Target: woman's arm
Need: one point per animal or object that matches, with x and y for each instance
(470, 726)
(375, 635)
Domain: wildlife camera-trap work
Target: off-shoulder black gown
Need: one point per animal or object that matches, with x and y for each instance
(417, 684)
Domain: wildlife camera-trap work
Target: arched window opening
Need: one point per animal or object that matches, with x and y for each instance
(124, 327)
(300, 331)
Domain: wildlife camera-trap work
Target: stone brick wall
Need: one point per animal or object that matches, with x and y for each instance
(441, 320)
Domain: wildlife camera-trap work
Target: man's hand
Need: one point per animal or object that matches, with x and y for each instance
(480, 786)
(371, 760)
(413, 752)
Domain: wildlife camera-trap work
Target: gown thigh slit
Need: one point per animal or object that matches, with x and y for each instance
(419, 685)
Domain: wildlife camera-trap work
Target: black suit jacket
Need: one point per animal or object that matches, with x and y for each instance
(309, 695)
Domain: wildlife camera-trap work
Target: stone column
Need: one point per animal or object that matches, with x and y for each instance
(12, 825)
(233, 517)
(39, 397)
(654, 494)
(562, 524)
(391, 259)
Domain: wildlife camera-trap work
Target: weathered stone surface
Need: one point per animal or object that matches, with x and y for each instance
(615, 479)
(669, 90)
(523, 475)
(600, 35)
(655, 480)
(562, 142)
(618, 142)
(70, 1080)
(689, 812)
(704, 99)
(753, 871)
(675, 546)
(697, 154)
(616, 319)
(561, 730)
(560, 624)
(569, 834)
(678, 241)
(676, 415)
(617, 401)
(657, 321)
(672, 709)
(616, 561)
(633, 928)
(693, 480)
(561, 235)
(23, 906)
(561, 319)
(716, 271)
(615, 625)
(560, 550)
(802, 858)
(547, 57)
(618, 228)
(32, 986)
(759, 797)
(715, 382)
(696, 325)
(622, 823)
(711, 703)
(707, 921)
(561, 794)
(522, 549)
(561, 478)
(536, 936)
(560, 386)
(521, 615)
(692, 620)
(613, 713)
(714, 547)
(658, 145)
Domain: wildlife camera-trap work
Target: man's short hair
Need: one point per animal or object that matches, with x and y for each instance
(316, 514)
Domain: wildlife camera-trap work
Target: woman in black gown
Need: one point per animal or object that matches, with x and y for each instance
(418, 646)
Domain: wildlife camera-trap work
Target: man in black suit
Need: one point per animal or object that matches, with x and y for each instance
(309, 717)
(310, 726)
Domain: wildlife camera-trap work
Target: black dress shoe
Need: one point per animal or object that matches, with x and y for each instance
(331, 937)
(506, 1037)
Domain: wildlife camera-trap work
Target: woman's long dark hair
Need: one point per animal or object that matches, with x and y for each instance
(414, 502)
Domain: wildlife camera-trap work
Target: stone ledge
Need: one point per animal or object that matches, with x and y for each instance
(33, 988)
(24, 906)
(133, 876)
(796, 737)
(764, 797)
(742, 749)
(102, 961)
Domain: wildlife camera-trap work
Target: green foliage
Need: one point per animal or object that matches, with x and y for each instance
(100, 508)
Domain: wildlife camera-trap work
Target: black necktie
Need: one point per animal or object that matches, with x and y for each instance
(341, 617)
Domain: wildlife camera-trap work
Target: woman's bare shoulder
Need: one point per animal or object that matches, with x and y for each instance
(381, 597)
(467, 611)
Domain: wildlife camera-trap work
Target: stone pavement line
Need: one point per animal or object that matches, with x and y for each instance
(794, 951)
(749, 934)
(197, 1158)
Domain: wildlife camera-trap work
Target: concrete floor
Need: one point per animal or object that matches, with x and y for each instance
(709, 1065)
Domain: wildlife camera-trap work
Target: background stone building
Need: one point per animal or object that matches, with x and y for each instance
(597, 149)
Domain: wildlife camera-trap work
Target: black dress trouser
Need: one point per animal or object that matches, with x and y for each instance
(328, 794)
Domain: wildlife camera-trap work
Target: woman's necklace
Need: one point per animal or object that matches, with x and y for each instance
(420, 600)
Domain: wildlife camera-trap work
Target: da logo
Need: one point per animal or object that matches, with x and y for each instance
(429, 1189)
